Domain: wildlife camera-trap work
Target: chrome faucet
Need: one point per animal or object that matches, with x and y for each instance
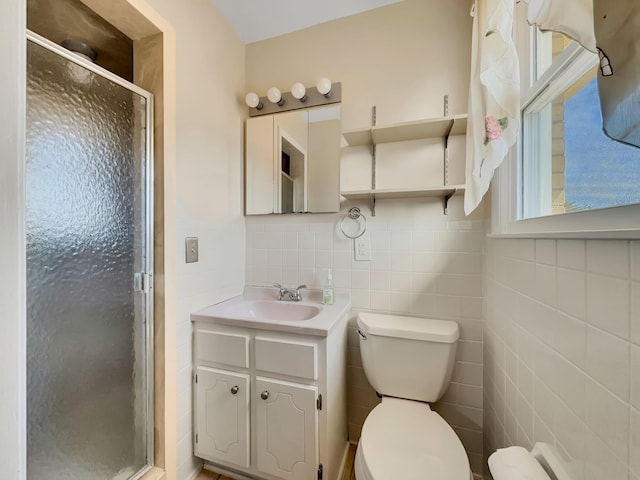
(293, 294)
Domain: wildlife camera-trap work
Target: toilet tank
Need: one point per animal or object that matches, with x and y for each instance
(407, 357)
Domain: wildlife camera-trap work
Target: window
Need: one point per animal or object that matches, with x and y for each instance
(555, 69)
(567, 164)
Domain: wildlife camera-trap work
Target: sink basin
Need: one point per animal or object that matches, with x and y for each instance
(258, 307)
(275, 311)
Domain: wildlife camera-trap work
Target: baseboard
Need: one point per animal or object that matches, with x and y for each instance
(343, 463)
(194, 474)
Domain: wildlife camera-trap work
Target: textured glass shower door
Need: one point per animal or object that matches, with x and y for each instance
(88, 255)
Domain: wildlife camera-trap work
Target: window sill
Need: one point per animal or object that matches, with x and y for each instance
(622, 223)
(630, 234)
(615, 223)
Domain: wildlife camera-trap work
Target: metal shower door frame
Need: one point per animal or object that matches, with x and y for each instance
(148, 228)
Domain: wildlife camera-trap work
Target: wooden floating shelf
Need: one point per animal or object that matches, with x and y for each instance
(442, 127)
(440, 191)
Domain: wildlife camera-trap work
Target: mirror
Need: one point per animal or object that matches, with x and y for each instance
(293, 162)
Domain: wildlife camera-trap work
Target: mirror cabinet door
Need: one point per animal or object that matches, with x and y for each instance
(293, 162)
(259, 187)
(323, 187)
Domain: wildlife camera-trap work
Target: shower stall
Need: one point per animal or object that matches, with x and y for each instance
(89, 270)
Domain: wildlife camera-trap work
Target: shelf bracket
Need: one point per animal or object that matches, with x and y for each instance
(446, 165)
(447, 198)
(373, 163)
(446, 147)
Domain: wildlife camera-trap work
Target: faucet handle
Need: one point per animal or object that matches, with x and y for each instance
(281, 291)
(296, 295)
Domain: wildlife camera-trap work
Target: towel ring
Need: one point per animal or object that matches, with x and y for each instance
(354, 213)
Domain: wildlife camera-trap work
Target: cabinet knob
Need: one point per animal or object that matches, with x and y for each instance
(264, 395)
(234, 389)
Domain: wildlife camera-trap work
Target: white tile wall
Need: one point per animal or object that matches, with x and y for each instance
(576, 342)
(418, 267)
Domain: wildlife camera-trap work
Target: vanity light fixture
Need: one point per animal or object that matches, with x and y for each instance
(324, 93)
(253, 100)
(324, 86)
(274, 96)
(299, 92)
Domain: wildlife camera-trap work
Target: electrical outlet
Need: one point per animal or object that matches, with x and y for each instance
(362, 246)
(191, 247)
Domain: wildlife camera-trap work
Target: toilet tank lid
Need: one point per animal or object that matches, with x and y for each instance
(417, 328)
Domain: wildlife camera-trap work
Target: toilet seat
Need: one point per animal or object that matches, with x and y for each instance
(406, 439)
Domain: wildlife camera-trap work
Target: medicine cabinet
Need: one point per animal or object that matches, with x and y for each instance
(292, 162)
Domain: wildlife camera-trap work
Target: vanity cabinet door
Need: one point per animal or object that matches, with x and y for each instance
(222, 416)
(286, 429)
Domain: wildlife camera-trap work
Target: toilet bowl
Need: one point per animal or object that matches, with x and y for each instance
(409, 362)
(405, 439)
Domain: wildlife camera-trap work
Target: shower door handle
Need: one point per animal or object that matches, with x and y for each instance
(142, 282)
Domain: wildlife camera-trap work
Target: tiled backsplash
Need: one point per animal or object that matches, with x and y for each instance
(562, 351)
(431, 269)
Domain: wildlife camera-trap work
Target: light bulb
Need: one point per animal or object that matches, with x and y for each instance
(298, 91)
(253, 100)
(324, 86)
(274, 96)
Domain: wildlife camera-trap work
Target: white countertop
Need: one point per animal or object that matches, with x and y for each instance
(227, 312)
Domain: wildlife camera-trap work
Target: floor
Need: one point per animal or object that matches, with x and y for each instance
(348, 474)
(207, 475)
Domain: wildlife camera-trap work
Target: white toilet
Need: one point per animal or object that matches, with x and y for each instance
(409, 362)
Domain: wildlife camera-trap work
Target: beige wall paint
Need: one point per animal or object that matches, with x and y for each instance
(207, 178)
(402, 58)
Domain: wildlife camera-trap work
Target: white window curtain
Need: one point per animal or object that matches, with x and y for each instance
(617, 29)
(573, 18)
(494, 96)
(610, 28)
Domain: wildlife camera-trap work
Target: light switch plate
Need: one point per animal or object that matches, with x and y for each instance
(191, 247)
(362, 247)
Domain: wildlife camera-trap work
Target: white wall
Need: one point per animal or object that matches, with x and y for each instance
(562, 351)
(209, 124)
(403, 58)
(12, 250)
(424, 264)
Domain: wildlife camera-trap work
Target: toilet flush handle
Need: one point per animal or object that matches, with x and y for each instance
(362, 335)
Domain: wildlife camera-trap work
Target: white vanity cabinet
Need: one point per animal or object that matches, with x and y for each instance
(222, 409)
(287, 429)
(270, 404)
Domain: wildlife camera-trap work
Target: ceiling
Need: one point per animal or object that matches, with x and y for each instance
(255, 20)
